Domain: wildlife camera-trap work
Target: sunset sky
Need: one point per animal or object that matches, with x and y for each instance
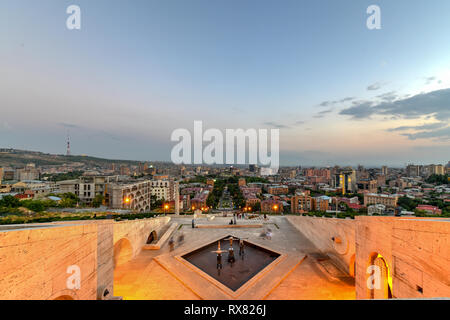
(137, 70)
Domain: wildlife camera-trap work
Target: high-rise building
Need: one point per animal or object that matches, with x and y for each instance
(345, 179)
(413, 170)
(28, 173)
(384, 170)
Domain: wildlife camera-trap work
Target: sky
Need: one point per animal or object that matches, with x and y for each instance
(137, 70)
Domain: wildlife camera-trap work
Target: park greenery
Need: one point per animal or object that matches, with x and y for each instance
(214, 197)
(438, 179)
(46, 217)
(236, 194)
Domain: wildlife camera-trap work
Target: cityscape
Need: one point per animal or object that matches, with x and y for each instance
(257, 151)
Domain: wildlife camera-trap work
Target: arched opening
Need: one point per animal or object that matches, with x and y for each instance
(352, 266)
(379, 281)
(123, 252)
(64, 297)
(153, 237)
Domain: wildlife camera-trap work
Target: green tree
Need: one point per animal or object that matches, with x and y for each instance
(98, 200)
(9, 202)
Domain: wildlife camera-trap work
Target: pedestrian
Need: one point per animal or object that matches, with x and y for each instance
(241, 247)
(181, 239)
(219, 261)
(171, 244)
(231, 258)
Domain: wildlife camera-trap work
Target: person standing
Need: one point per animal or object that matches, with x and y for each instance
(241, 247)
(171, 244)
(231, 258)
(219, 261)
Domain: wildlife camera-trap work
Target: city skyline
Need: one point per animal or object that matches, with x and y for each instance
(338, 92)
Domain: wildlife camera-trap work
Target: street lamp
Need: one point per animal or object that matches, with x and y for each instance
(166, 206)
(127, 201)
(275, 207)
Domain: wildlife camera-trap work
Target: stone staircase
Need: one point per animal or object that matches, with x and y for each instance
(162, 239)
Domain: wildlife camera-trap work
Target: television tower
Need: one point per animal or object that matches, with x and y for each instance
(68, 145)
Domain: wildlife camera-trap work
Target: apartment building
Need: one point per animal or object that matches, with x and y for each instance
(277, 189)
(385, 199)
(129, 195)
(164, 189)
(87, 187)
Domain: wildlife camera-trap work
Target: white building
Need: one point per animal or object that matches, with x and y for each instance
(164, 189)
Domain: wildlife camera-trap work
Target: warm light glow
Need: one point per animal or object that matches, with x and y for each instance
(127, 200)
(387, 269)
(166, 206)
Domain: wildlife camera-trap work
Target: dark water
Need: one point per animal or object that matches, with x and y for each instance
(232, 275)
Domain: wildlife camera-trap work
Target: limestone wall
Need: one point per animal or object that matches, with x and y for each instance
(137, 231)
(34, 262)
(322, 231)
(416, 250)
(34, 259)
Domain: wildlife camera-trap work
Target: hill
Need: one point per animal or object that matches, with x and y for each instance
(19, 158)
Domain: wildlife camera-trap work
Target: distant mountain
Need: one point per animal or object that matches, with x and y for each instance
(19, 158)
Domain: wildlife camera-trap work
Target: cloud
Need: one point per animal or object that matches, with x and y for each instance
(388, 96)
(435, 103)
(430, 126)
(347, 99)
(440, 134)
(362, 110)
(322, 113)
(330, 103)
(69, 125)
(300, 122)
(325, 103)
(437, 131)
(101, 134)
(374, 86)
(275, 125)
(429, 80)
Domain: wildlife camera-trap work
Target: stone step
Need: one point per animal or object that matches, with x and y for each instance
(162, 239)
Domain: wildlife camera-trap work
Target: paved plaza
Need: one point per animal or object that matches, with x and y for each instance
(301, 271)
